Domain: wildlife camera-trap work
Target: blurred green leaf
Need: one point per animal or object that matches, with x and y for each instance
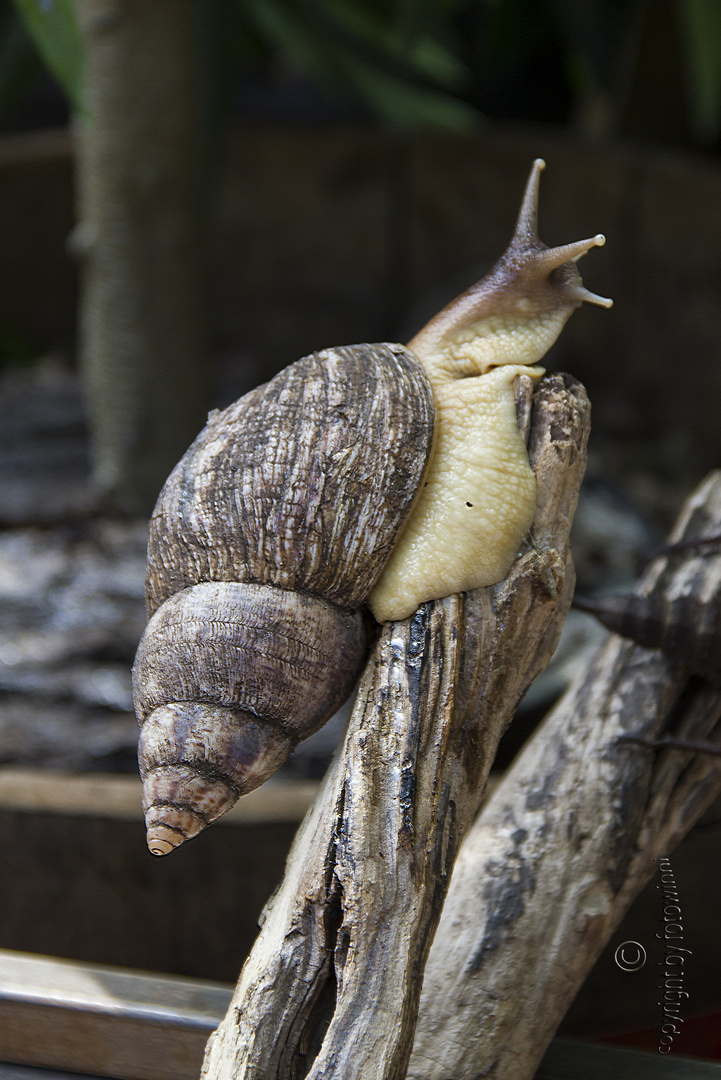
(54, 29)
(287, 30)
(701, 27)
(403, 106)
(356, 26)
(14, 348)
(18, 58)
(368, 53)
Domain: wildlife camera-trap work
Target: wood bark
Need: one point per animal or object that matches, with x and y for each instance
(570, 837)
(331, 986)
(139, 240)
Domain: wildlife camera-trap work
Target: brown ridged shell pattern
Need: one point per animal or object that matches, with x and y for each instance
(304, 483)
(287, 657)
(196, 760)
(266, 539)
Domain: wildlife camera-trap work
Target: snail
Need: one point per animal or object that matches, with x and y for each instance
(361, 478)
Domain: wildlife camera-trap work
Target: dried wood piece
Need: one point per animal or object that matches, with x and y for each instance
(91, 1018)
(331, 986)
(569, 838)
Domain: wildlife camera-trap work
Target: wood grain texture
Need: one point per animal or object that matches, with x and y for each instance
(569, 838)
(304, 483)
(331, 986)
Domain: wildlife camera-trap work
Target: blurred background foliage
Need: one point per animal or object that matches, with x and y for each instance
(606, 67)
(605, 70)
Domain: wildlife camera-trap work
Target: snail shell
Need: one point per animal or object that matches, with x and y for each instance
(266, 540)
(365, 474)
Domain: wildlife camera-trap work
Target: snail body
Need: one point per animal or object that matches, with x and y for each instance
(477, 502)
(479, 496)
(365, 475)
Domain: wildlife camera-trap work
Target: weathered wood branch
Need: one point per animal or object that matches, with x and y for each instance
(332, 984)
(569, 838)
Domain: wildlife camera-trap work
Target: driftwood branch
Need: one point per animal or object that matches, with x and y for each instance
(332, 984)
(570, 837)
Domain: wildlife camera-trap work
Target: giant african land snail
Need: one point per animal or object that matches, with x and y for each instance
(368, 474)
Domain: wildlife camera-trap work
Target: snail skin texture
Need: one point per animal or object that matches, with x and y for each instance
(479, 496)
(367, 475)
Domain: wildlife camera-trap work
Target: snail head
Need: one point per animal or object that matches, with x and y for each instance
(517, 310)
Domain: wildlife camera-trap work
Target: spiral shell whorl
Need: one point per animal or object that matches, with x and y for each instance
(196, 761)
(283, 656)
(229, 676)
(304, 483)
